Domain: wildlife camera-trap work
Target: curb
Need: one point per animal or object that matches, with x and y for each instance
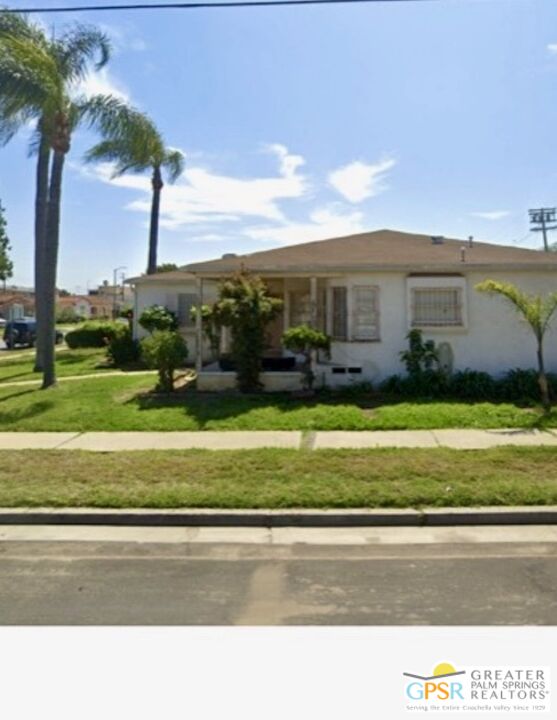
(434, 517)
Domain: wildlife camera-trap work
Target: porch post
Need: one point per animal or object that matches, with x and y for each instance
(285, 306)
(313, 321)
(199, 326)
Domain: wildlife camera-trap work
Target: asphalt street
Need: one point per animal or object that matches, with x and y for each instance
(233, 576)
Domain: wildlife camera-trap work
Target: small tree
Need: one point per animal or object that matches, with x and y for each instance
(6, 265)
(157, 317)
(245, 306)
(304, 340)
(537, 311)
(166, 267)
(164, 351)
(421, 356)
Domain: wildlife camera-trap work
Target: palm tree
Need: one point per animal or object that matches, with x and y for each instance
(537, 311)
(37, 79)
(141, 148)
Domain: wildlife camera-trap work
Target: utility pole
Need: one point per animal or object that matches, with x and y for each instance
(114, 288)
(542, 220)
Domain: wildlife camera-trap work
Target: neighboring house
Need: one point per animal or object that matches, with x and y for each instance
(86, 306)
(9, 299)
(367, 291)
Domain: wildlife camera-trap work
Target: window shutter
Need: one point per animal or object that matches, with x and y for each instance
(365, 324)
(340, 314)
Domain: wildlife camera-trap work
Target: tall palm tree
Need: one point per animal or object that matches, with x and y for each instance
(141, 148)
(38, 76)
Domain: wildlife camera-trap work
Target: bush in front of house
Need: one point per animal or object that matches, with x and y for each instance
(473, 385)
(520, 385)
(303, 340)
(68, 315)
(158, 317)
(165, 351)
(93, 333)
(247, 308)
(122, 348)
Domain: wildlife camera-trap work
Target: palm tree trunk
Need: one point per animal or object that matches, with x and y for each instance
(41, 202)
(50, 266)
(542, 378)
(154, 227)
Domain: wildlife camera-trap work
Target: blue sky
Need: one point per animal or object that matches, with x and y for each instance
(311, 122)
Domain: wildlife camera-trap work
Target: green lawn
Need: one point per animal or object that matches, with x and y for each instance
(68, 362)
(125, 403)
(279, 478)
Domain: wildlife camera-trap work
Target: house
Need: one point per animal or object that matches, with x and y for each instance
(367, 291)
(86, 306)
(11, 298)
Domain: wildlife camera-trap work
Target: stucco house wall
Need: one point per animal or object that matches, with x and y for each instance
(494, 338)
(148, 294)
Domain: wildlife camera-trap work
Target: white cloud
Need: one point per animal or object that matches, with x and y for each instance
(102, 83)
(124, 37)
(202, 196)
(323, 223)
(552, 48)
(358, 180)
(491, 214)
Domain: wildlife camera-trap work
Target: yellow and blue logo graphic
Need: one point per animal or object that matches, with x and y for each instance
(444, 684)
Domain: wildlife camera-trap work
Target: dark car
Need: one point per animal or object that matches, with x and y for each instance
(24, 332)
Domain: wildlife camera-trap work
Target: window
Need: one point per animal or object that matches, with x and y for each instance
(185, 303)
(365, 324)
(300, 308)
(437, 307)
(340, 314)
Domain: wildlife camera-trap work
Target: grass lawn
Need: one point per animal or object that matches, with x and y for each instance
(68, 362)
(279, 478)
(125, 403)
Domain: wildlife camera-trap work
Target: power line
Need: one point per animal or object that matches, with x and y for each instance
(541, 220)
(194, 5)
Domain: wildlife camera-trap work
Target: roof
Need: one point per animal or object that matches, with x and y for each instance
(381, 250)
(161, 278)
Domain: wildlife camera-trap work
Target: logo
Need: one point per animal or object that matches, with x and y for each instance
(442, 685)
(522, 689)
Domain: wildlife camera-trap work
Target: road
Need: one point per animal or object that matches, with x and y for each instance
(243, 576)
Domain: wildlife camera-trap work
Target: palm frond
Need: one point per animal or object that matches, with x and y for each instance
(77, 48)
(174, 163)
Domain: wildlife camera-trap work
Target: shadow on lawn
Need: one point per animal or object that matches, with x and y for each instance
(25, 413)
(206, 408)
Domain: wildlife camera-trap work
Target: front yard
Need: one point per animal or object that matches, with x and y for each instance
(279, 478)
(127, 403)
(19, 366)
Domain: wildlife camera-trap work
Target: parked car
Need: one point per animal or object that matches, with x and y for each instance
(24, 332)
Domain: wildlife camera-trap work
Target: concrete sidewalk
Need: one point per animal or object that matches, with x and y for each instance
(238, 440)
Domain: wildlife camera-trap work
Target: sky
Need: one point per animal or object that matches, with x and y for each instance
(305, 123)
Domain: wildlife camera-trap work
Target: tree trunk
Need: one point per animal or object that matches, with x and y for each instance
(158, 185)
(41, 201)
(542, 379)
(50, 266)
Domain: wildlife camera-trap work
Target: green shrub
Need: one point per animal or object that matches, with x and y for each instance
(303, 340)
(122, 348)
(426, 384)
(68, 315)
(473, 385)
(92, 334)
(164, 351)
(421, 356)
(520, 385)
(245, 306)
(157, 317)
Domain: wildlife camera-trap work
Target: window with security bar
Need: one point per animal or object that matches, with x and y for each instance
(437, 307)
(365, 313)
(186, 301)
